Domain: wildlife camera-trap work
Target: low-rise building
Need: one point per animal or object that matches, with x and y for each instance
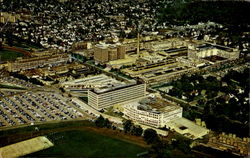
(229, 142)
(187, 128)
(35, 62)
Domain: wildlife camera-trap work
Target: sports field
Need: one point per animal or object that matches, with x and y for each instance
(88, 144)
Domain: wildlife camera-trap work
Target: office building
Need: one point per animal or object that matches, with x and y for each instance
(109, 95)
(154, 112)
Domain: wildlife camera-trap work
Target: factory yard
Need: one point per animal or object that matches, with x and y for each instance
(32, 107)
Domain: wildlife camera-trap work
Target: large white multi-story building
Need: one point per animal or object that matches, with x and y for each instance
(153, 112)
(104, 97)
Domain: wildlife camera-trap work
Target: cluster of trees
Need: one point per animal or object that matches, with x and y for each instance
(129, 127)
(222, 123)
(161, 148)
(233, 15)
(230, 111)
(158, 148)
(192, 12)
(13, 40)
(103, 123)
(188, 86)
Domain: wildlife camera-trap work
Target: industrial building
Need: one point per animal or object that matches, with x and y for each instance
(154, 112)
(207, 49)
(35, 62)
(104, 53)
(91, 82)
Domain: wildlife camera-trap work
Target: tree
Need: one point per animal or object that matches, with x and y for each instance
(160, 149)
(107, 123)
(136, 130)
(62, 90)
(182, 143)
(99, 121)
(127, 126)
(1, 45)
(150, 136)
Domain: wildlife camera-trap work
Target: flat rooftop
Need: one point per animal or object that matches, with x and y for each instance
(99, 83)
(210, 46)
(154, 105)
(187, 128)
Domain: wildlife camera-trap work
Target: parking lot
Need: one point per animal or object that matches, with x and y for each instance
(31, 107)
(9, 80)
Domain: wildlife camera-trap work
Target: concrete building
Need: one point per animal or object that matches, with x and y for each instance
(112, 53)
(101, 54)
(121, 52)
(154, 112)
(104, 97)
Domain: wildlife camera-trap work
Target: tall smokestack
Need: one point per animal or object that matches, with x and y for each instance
(138, 44)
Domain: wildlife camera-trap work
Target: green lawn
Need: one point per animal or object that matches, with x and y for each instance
(6, 55)
(88, 144)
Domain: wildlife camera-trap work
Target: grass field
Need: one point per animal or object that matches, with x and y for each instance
(6, 55)
(88, 144)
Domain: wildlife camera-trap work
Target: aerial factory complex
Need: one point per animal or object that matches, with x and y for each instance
(139, 72)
